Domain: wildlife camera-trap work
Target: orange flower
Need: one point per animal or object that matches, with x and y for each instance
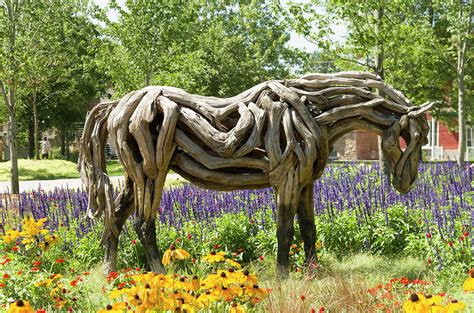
(174, 254)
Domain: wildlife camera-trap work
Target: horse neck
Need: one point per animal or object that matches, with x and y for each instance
(374, 116)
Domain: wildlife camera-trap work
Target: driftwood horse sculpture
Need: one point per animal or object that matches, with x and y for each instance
(277, 134)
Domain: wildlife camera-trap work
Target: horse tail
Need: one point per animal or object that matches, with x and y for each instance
(92, 165)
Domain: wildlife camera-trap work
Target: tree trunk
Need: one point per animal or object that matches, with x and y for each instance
(461, 114)
(12, 67)
(63, 143)
(31, 140)
(379, 70)
(462, 49)
(12, 141)
(36, 128)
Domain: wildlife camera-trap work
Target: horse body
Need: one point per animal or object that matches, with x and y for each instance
(277, 134)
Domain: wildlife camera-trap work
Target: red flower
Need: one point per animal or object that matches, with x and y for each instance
(193, 261)
(112, 276)
(372, 291)
(190, 236)
(73, 283)
(60, 261)
(134, 242)
(137, 269)
(302, 297)
(2, 285)
(404, 281)
(15, 248)
(216, 247)
(37, 263)
(450, 243)
(178, 239)
(313, 310)
(261, 258)
(35, 269)
(5, 261)
(86, 273)
(321, 310)
(461, 238)
(428, 235)
(5, 276)
(429, 261)
(41, 311)
(120, 286)
(466, 233)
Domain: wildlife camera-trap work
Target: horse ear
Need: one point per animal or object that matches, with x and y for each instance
(421, 109)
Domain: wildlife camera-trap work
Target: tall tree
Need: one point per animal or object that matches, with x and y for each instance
(10, 25)
(209, 48)
(459, 15)
(60, 77)
(420, 47)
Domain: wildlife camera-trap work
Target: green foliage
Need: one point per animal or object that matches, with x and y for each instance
(207, 48)
(416, 51)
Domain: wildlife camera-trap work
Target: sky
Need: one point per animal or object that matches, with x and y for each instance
(296, 40)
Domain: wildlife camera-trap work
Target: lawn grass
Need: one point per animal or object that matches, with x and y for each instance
(50, 169)
(338, 285)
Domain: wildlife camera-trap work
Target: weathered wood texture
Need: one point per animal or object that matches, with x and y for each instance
(278, 134)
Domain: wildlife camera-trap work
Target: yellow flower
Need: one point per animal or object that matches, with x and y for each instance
(114, 294)
(11, 235)
(455, 306)
(469, 283)
(214, 257)
(195, 283)
(33, 228)
(233, 263)
(181, 284)
(174, 254)
(208, 297)
(20, 306)
(431, 300)
(228, 293)
(118, 307)
(51, 239)
(415, 305)
(245, 278)
(437, 308)
(236, 308)
(256, 291)
(28, 240)
(221, 278)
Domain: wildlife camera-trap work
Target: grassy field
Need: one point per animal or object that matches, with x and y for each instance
(50, 169)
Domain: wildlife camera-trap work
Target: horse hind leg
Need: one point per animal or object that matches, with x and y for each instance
(306, 223)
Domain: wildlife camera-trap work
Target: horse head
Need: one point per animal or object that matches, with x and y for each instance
(413, 128)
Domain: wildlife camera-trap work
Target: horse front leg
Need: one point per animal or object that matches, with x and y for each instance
(306, 223)
(146, 231)
(285, 232)
(145, 226)
(123, 208)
